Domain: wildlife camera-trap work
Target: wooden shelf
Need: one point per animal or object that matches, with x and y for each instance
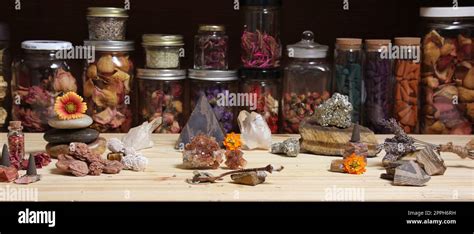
(305, 178)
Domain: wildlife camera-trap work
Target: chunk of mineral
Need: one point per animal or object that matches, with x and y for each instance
(410, 174)
(336, 111)
(431, 161)
(254, 131)
(249, 178)
(203, 152)
(337, 166)
(290, 147)
(235, 159)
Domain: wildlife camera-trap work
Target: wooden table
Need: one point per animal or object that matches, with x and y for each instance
(305, 178)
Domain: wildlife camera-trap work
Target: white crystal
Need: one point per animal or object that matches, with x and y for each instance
(254, 131)
(135, 162)
(115, 145)
(140, 137)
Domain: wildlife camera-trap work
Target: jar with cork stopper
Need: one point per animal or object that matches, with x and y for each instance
(16, 143)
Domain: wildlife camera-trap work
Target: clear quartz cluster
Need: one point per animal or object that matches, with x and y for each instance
(335, 111)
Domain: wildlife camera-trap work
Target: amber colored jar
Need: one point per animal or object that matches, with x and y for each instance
(108, 86)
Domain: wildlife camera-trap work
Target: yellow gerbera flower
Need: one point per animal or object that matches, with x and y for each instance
(70, 106)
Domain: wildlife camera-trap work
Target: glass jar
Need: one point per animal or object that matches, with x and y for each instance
(378, 83)
(407, 85)
(448, 70)
(260, 40)
(210, 48)
(5, 72)
(220, 88)
(262, 87)
(16, 143)
(161, 94)
(163, 51)
(38, 77)
(107, 23)
(348, 57)
(108, 86)
(306, 82)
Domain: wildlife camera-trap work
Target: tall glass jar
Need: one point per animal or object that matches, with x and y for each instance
(260, 40)
(220, 87)
(262, 86)
(163, 51)
(5, 72)
(210, 48)
(407, 85)
(378, 84)
(448, 70)
(348, 57)
(107, 23)
(108, 86)
(161, 94)
(38, 77)
(16, 143)
(306, 82)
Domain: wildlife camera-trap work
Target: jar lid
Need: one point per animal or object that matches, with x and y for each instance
(407, 41)
(260, 2)
(46, 45)
(111, 45)
(107, 12)
(376, 44)
(161, 74)
(446, 12)
(307, 48)
(213, 75)
(4, 32)
(253, 73)
(162, 40)
(349, 43)
(211, 28)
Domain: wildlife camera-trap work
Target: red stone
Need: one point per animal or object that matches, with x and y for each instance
(8, 174)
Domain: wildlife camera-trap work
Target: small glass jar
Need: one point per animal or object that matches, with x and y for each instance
(5, 71)
(38, 77)
(219, 87)
(108, 86)
(107, 23)
(16, 143)
(306, 82)
(378, 83)
(262, 87)
(260, 40)
(348, 57)
(161, 94)
(407, 85)
(210, 48)
(163, 51)
(448, 70)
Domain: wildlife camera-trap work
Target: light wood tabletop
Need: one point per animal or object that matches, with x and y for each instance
(305, 178)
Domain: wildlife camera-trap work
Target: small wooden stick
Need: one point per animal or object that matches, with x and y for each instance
(463, 152)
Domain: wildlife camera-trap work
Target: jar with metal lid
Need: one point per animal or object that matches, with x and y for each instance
(378, 83)
(38, 78)
(220, 87)
(407, 84)
(260, 40)
(210, 48)
(262, 88)
(108, 86)
(306, 82)
(448, 70)
(107, 23)
(161, 94)
(348, 59)
(163, 51)
(5, 71)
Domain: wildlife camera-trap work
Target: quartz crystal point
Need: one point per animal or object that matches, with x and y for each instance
(254, 131)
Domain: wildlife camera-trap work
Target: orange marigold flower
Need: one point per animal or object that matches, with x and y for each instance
(232, 141)
(70, 106)
(355, 164)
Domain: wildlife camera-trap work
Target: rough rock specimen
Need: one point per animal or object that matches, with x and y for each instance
(410, 174)
(431, 161)
(202, 121)
(134, 162)
(254, 131)
(8, 174)
(337, 166)
(290, 147)
(331, 140)
(235, 159)
(249, 178)
(336, 112)
(203, 152)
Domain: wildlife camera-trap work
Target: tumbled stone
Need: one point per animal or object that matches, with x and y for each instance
(249, 178)
(63, 136)
(290, 147)
(115, 156)
(335, 111)
(96, 147)
(79, 123)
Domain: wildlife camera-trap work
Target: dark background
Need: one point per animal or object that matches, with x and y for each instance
(66, 20)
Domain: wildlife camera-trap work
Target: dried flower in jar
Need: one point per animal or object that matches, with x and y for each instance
(260, 50)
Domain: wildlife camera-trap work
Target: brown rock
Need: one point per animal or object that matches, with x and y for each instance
(431, 161)
(337, 165)
(115, 156)
(410, 174)
(96, 168)
(78, 168)
(112, 167)
(96, 147)
(249, 178)
(8, 174)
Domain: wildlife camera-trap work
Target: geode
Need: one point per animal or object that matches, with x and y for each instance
(335, 111)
